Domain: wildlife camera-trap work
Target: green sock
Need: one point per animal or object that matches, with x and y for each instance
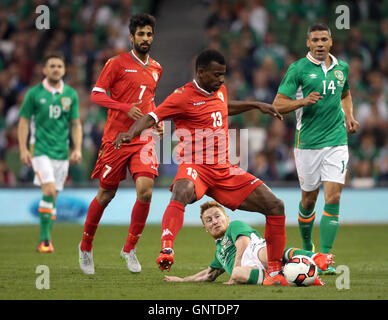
(292, 252)
(329, 226)
(306, 223)
(46, 206)
(53, 217)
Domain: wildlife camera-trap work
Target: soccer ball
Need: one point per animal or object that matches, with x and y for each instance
(300, 271)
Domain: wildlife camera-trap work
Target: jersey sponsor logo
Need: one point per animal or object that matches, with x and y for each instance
(66, 103)
(226, 242)
(166, 232)
(130, 70)
(221, 96)
(313, 76)
(340, 83)
(339, 74)
(155, 75)
(198, 103)
(43, 100)
(179, 90)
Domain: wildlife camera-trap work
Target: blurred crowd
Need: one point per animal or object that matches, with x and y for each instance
(260, 40)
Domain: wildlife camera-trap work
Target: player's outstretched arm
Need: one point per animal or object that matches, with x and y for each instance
(352, 124)
(285, 104)
(207, 275)
(137, 128)
(236, 107)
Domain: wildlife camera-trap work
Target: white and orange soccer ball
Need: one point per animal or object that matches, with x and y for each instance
(300, 271)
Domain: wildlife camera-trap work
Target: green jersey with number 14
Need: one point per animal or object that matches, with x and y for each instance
(50, 112)
(321, 124)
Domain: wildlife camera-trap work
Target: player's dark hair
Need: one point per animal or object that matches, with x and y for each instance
(141, 20)
(210, 204)
(53, 55)
(318, 27)
(207, 56)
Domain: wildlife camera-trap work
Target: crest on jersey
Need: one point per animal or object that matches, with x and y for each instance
(66, 103)
(221, 96)
(339, 75)
(155, 75)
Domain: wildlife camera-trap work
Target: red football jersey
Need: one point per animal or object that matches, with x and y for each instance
(129, 80)
(201, 120)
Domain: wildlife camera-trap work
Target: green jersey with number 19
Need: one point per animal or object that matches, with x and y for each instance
(50, 112)
(321, 124)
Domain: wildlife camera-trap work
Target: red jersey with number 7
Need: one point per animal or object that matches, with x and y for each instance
(201, 121)
(128, 80)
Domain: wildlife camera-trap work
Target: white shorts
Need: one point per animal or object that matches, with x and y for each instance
(50, 170)
(250, 256)
(317, 165)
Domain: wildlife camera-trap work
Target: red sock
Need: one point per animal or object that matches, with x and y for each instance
(172, 222)
(138, 220)
(275, 237)
(95, 212)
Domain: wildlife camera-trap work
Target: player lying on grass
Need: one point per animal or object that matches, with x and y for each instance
(241, 252)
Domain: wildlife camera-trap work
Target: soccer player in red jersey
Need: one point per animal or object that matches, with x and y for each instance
(131, 78)
(200, 112)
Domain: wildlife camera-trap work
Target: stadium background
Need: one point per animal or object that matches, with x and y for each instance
(259, 38)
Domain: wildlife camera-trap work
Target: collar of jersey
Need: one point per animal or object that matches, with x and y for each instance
(317, 62)
(52, 90)
(203, 91)
(138, 60)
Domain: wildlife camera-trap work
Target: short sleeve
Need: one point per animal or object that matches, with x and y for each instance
(107, 76)
(290, 82)
(27, 108)
(239, 228)
(172, 107)
(216, 264)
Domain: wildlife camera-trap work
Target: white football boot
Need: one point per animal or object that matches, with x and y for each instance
(133, 263)
(86, 261)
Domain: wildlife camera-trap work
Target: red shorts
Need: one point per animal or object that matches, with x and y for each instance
(112, 164)
(229, 185)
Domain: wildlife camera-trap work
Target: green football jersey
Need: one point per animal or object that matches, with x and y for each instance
(50, 114)
(225, 246)
(321, 124)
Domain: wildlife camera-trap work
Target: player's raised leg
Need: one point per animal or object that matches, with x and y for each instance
(264, 201)
(144, 186)
(183, 193)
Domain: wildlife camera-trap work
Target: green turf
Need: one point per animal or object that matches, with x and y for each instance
(362, 248)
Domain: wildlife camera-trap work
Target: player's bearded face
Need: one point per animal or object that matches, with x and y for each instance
(319, 43)
(54, 69)
(142, 39)
(215, 222)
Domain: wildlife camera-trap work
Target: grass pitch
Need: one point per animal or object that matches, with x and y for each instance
(363, 249)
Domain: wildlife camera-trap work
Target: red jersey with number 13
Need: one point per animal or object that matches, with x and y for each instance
(201, 120)
(129, 80)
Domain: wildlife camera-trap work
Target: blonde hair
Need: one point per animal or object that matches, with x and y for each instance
(210, 204)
